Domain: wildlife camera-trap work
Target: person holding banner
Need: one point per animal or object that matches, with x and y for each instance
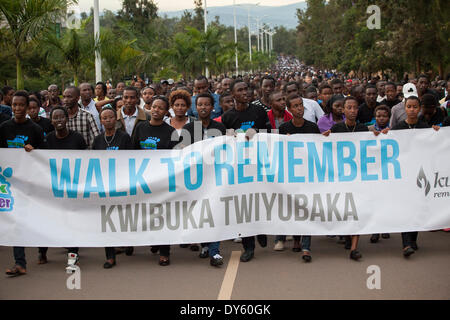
(21, 132)
(111, 139)
(350, 125)
(412, 108)
(206, 128)
(245, 118)
(156, 135)
(63, 139)
(382, 116)
(298, 125)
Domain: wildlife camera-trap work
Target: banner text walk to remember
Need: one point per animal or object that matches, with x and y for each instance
(227, 187)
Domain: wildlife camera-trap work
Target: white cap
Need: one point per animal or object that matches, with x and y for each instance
(409, 90)
(170, 81)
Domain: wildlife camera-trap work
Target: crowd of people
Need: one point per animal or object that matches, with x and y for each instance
(290, 99)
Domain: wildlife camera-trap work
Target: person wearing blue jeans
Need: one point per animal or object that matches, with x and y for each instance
(305, 245)
(212, 250)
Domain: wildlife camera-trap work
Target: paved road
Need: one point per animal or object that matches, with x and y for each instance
(271, 275)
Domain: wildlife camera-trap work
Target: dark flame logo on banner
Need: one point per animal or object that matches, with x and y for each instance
(422, 181)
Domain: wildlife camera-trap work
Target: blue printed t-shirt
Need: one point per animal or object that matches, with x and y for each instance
(149, 137)
(253, 117)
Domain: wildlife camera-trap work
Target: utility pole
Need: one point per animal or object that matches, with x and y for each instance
(98, 58)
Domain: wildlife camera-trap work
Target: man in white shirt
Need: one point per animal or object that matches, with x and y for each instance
(88, 104)
(313, 112)
(381, 90)
(130, 115)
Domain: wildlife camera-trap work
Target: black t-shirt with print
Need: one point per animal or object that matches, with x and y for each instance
(342, 127)
(253, 117)
(18, 135)
(259, 103)
(149, 137)
(289, 128)
(121, 141)
(73, 141)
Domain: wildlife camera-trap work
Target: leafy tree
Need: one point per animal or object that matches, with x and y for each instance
(26, 20)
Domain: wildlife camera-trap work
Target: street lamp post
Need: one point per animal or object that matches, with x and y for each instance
(235, 38)
(98, 58)
(206, 29)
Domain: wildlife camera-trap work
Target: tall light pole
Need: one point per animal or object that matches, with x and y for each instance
(98, 58)
(235, 38)
(257, 32)
(249, 35)
(206, 29)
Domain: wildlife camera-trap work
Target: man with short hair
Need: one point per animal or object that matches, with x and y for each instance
(267, 87)
(87, 103)
(53, 99)
(390, 90)
(225, 84)
(80, 120)
(119, 88)
(242, 118)
(7, 95)
(366, 111)
(130, 115)
(337, 86)
(313, 112)
(359, 93)
(201, 85)
(381, 90)
(4, 109)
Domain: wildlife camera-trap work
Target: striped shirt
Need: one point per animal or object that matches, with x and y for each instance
(84, 123)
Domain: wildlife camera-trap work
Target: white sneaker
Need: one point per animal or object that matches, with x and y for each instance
(238, 240)
(72, 261)
(279, 246)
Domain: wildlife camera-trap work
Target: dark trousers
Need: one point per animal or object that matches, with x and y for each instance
(409, 238)
(249, 242)
(19, 256)
(110, 253)
(164, 250)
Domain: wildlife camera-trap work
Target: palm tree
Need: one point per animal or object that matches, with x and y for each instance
(72, 48)
(26, 20)
(116, 53)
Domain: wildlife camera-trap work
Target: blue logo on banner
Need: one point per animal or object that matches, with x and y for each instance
(6, 198)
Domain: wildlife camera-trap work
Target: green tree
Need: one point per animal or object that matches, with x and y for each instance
(26, 20)
(73, 48)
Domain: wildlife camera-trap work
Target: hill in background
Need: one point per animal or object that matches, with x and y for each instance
(276, 16)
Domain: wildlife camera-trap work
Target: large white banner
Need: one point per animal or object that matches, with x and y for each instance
(227, 187)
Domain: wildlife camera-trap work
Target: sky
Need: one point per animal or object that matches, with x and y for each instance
(175, 5)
